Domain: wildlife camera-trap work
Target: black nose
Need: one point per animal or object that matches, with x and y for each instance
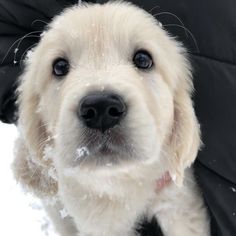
(102, 110)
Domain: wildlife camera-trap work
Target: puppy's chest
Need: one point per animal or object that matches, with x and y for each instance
(113, 215)
(130, 206)
(119, 217)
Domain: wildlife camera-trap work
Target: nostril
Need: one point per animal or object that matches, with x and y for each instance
(89, 114)
(114, 112)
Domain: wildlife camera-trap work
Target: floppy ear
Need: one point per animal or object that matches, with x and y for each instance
(185, 139)
(30, 166)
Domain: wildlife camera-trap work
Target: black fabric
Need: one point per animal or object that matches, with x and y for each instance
(219, 194)
(8, 83)
(213, 26)
(149, 227)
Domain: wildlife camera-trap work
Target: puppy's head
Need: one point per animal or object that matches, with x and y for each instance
(111, 90)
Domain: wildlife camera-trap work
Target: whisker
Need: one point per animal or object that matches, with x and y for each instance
(20, 39)
(152, 9)
(41, 21)
(172, 14)
(25, 52)
(19, 43)
(191, 34)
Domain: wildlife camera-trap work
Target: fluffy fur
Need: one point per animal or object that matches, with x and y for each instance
(160, 130)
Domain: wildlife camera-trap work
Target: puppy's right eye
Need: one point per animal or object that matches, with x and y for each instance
(60, 67)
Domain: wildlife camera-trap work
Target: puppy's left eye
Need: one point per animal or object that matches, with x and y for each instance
(142, 60)
(60, 67)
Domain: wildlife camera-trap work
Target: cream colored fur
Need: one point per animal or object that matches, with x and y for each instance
(99, 41)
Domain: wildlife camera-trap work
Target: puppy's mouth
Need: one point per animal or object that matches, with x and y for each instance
(112, 146)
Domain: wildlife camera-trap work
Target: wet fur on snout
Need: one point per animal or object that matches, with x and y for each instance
(160, 127)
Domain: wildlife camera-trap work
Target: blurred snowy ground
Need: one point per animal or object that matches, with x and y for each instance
(20, 213)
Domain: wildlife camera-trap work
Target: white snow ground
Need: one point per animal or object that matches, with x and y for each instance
(20, 213)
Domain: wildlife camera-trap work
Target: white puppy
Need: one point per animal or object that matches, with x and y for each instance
(105, 112)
